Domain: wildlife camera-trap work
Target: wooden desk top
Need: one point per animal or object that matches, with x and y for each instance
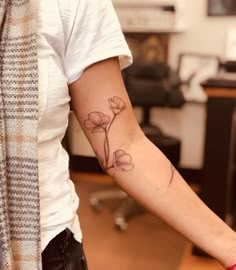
(220, 92)
(220, 87)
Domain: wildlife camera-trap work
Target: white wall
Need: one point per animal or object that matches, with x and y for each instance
(202, 35)
(205, 35)
(188, 124)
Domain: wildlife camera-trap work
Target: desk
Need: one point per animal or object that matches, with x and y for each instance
(219, 164)
(218, 171)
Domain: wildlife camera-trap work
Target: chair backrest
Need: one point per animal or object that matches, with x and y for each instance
(153, 85)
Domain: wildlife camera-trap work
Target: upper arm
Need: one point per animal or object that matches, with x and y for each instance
(102, 106)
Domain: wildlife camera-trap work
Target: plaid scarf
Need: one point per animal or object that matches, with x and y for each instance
(19, 189)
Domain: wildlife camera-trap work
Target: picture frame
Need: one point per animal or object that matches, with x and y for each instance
(221, 8)
(230, 45)
(193, 69)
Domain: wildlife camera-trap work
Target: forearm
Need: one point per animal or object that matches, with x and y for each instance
(138, 166)
(153, 183)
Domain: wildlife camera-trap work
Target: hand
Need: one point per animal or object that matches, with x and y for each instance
(231, 267)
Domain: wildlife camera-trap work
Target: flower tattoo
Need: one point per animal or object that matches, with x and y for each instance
(122, 161)
(117, 104)
(99, 122)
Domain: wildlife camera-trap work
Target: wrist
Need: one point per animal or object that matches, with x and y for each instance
(232, 267)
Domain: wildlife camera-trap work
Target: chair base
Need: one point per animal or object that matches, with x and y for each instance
(127, 209)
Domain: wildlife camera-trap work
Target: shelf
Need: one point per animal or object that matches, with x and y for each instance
(142, 3)
(150, 16)
(173, 30)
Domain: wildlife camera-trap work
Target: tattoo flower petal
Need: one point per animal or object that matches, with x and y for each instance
(117, 104)
(122, 161)
(97, 122)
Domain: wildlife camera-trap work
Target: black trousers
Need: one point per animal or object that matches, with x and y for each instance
(64, 253)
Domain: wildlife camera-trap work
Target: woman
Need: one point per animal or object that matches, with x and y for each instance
(51, 52)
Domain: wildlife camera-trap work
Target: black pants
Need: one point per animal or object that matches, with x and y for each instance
(64, 253)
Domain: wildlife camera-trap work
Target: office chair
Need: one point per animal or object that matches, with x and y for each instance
(148, 85)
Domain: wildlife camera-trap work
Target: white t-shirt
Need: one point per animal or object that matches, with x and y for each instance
(72, 34)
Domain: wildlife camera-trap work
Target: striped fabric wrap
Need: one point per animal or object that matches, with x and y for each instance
(19, 188)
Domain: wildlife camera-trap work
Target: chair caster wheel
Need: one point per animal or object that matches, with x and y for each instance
(96, 205)
(121, 225)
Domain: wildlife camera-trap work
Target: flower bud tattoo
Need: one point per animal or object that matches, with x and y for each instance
(102, 123)
(117, 105)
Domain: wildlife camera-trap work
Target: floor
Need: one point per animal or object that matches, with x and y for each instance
(148, 242)
(190, 262)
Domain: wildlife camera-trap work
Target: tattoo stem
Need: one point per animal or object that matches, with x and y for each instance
(108, 128)
(106, 141)
(106, 148)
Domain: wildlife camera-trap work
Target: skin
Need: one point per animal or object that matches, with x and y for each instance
(152, 180)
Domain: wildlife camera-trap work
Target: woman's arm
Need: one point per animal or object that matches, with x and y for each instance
(102, 106)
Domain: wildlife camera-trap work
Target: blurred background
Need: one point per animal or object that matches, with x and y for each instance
(182, 85)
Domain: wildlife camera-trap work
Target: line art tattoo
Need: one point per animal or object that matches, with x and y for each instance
(99, 122)
(172, 168)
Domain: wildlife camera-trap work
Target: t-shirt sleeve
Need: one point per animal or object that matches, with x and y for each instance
(95, 35)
